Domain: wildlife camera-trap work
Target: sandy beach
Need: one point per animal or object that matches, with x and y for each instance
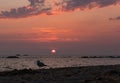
(90, 74)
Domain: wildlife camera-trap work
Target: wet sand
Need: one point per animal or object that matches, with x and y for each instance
(90, 74)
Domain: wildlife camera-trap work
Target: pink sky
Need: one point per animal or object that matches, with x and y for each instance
(95, 22)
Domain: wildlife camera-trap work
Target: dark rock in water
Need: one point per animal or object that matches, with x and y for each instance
(12, 57)
(18, 55)
(25, 55)
(40, 64)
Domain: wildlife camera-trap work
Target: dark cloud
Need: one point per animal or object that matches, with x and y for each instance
(37, 7)
(117, 18)
(83, 4)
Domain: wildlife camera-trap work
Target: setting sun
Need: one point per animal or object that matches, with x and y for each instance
(53, 51)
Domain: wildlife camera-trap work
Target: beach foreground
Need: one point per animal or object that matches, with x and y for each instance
(91, 74)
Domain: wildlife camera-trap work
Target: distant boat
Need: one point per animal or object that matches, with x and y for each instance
(40, 64)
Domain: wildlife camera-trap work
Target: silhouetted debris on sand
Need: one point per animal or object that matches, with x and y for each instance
(95, 74)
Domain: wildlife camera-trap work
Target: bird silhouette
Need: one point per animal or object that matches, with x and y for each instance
(40, 64)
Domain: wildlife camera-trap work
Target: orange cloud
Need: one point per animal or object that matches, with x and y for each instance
(53, 34)
(49, 34)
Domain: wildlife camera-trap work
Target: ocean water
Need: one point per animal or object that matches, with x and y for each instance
(27, 62)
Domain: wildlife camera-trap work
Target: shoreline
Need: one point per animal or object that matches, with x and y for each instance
(87, 74)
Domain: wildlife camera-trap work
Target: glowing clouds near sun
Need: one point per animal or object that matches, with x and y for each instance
(50, 34)
(51, 7)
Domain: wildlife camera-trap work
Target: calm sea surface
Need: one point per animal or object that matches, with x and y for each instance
(53, 62)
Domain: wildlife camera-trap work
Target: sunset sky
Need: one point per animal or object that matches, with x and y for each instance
(72, 27)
